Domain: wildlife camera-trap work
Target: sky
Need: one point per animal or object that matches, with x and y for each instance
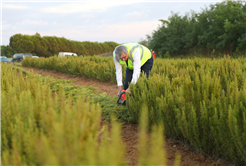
(120, 21)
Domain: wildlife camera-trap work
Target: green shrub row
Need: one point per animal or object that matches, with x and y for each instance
(41, 127)
(200, 100)
(47, 46)
(101, 68)
(106, 102)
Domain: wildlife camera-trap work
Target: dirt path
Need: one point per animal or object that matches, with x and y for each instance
(129, 131)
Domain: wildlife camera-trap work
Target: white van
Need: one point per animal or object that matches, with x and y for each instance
(65, 54)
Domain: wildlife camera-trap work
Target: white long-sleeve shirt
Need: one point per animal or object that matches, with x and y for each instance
(136, 68)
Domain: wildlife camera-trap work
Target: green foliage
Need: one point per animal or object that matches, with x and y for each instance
(101, 68)
(108, 104)
(236, 53)
(198, 100)
(49, 46)
(154, 154)
(219, 26)
(213, 54)
(144, 42)
(173, 35)
(221, 55)
(39, 129)
(41, 126)
(167, 55)
(6, 51)
(234, 24)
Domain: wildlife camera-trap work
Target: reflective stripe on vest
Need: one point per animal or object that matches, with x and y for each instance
(132, 50)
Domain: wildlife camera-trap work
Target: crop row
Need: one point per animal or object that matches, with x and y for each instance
(100, 68)
(44, 126)
(202, 101)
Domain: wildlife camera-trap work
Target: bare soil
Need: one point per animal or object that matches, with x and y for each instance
(189, 157)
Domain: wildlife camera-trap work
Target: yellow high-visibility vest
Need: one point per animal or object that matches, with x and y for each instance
(145, 54)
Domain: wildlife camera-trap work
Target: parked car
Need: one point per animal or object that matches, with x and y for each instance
(35, 56)
(18, 57)
(65, 54)
(4, 59)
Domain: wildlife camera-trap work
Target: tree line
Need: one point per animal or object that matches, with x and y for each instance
(51, 45)
(217, 29)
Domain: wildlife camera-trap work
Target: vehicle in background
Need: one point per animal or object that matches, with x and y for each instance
(35, 57)
(4, 59)
(66, 54)
(18, 57)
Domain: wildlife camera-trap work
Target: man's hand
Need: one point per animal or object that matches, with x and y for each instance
(128, 90)
(119, 89)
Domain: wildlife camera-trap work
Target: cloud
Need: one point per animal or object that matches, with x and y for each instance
(180, 5)
(129, 30)
(11, 6)
(139, 28)
(80, 7)
(6, 26)
(103, 21)
(35, 22)
(134, 14)
(85, 15)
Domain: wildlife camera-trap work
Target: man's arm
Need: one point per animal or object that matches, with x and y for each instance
(118, 73)
(136, 66)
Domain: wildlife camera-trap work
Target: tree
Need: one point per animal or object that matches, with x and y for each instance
(6, 51)
(219, 26)
(50, 45)
(172, 35)
(234, 26)
(144, 42)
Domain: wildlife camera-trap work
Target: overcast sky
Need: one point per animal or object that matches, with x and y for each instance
(95, 21)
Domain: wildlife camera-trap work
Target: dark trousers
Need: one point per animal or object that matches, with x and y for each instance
(146, 68)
